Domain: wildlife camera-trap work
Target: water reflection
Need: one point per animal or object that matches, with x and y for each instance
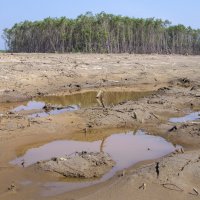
(76, 101)
(125, 149)
(191, 117)
(88, 99)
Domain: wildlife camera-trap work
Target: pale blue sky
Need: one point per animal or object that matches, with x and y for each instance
(177, 11)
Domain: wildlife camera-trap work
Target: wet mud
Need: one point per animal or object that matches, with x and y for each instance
(46, 101)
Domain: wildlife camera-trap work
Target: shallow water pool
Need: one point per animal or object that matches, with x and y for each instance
(126, 149)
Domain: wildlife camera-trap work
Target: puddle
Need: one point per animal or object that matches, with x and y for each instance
(76, 101)
(31, 105)
(126, 149)
(55, 112)
(38, 105)
(88, 99)
(191, 117)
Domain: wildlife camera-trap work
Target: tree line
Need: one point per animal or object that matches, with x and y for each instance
(102, 33)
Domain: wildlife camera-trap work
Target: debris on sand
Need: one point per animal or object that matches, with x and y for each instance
(157, 169)
(143, 186)
(12, 187)
(48, 107)
(195, 191)
(183, 82)
(81, 165)
(99, 94)
(174, 128)
(171, 186)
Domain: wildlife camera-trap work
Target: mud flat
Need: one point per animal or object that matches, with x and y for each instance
(52, 97)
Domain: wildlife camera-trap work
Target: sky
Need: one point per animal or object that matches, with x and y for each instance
(177, 11)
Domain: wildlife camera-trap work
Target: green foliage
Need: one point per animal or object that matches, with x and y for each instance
(102, 33)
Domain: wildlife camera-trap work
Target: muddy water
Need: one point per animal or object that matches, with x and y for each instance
(55, 111)
(191, 117)
(125, 149)
(38, 105)
(76, 101)
(88, 99)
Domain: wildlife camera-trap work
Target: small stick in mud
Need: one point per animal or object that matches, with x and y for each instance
(155, 116)
(195, 190)
(157, 169)
(99, 94)
(100, 102)
(174, 128)
(99, 98)
(171, 186)
(143, 186)
(23, 163)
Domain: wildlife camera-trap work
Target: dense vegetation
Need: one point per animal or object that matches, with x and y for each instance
(102, 33)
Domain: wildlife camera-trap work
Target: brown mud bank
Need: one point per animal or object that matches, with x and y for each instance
(170, 88)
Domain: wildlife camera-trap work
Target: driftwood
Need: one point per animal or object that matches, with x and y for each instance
(194, 192)
(99, 98)
(100, 102)
(154, 115)
(174, 128)
(143, 186)
(171, 186)
(99, 94)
